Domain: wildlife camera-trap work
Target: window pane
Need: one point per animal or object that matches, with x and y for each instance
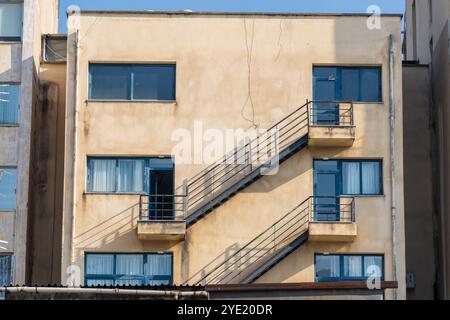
(325, 72)
(131, 174)
(327, 266)
(371, 183)
(154, 82)
(102, 175)
(5, 270)
(9, 103)
(102, 264)
(10, 20)
(8, 189)
(373, 266)
(326, 166)
(350, 84)
(351, 177)
(129, 264)
(353, 266)
(109, 81)
(158, 265)
(370, 85)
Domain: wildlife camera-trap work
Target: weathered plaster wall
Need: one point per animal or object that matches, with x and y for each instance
(212, 58)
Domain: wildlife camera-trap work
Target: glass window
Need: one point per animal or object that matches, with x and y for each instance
(9, 104)
(5, 270)
(327, 266)
(348, 267)
(132, 82)
(126, 175)
(131, 175)
(109, 81)
(10, 21)
(371, 177)
(353, 177)
(125, 269)
(8, 188)
(357, 84)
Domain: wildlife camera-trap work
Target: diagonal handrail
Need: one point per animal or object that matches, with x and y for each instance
(272, 240)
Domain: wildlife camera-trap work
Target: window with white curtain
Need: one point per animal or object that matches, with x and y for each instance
(353, 177)
(348, 267)
(128, 269)
(9, 104)
(11, 16)
(121, 175)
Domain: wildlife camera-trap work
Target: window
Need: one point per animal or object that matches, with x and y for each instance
(10, 21)
(54, 48)
(127, 175)
(128, 269)
(8, 189)
(335, 178)
(357, 84)
(348, 267)
(5, 269)
(9, 104)
(132, 82)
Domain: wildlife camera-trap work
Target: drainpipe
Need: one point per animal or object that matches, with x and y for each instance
(393, 160)
(175, 294)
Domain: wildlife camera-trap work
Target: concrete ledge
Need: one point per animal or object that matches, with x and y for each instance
(329, 136)
(332, 231)
(172, 230)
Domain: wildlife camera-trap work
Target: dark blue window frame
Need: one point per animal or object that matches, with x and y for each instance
(341, 277)
(130, 70)
(338, 78)
(148, 163)
(340, 177)
(115, 277)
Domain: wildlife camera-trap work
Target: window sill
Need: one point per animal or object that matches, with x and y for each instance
(9, 125)
(88, 193)
(10, 41)
(130, 101)
(363, 195)
(362, 102)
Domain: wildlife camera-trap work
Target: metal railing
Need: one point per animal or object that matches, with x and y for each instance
(161, 207)
(331, 113)
(248, 157)
(260, 152)
(229, 268)
(332, 209)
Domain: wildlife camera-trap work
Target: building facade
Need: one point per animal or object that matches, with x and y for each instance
(310, 120)
(22, 23)
(426, 79)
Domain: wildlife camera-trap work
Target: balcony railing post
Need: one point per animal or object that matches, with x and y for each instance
(307, 113)
(140, 207)
(185, 194)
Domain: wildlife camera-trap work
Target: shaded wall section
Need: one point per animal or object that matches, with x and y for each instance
(417, 129)
(47, 169)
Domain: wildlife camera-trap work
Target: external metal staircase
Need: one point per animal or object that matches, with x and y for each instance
(274, 244)
(245, 164)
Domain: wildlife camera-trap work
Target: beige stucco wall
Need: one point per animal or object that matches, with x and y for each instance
(211, 56)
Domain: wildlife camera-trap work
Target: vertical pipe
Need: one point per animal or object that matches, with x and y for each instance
(393, 161)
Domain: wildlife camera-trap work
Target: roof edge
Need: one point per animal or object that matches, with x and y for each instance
(258, 14)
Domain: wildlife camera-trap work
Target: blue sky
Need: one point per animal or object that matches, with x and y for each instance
(307, 6)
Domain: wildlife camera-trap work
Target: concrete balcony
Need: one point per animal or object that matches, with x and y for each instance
(169, 230)
(331, 124)
(333, 220)
(332, 232)
(161, 218)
